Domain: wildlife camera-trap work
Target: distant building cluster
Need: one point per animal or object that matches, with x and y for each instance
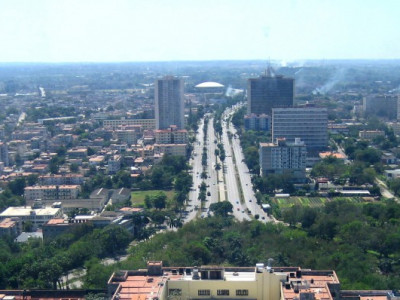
(270, 108)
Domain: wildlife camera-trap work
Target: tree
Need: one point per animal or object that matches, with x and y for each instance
(148, 201)
(160, 200)
(74, 168)
(90, 151)
(17, 186)
(183, 182)
(221, 208)
(32, 179)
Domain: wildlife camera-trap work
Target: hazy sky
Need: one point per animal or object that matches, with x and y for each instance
(154, 30)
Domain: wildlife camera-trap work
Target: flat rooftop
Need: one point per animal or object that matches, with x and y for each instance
(17, 211)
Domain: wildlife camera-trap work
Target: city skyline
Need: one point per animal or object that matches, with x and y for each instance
(121, 31)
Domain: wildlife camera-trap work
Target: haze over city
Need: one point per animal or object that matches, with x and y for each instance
(199, 149)
(107, 31)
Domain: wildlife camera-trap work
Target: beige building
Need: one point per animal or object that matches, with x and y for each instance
(61, 179)
(145, 123)
(171, 136)
(370, 134)
(216, 282)
(50, 192)
(128, 136)
(171, 149)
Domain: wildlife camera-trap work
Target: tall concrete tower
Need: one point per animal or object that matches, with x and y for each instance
(168, 96)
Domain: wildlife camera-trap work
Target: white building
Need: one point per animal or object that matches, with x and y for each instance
(38, 216)
(282, 157)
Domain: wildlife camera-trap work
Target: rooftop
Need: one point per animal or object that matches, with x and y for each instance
(209, 84)
(17, 211)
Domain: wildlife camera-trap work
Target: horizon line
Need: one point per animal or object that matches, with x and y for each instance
(206, 60)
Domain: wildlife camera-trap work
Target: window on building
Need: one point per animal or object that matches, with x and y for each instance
(174, 292)
(222, 292)
(203, 293)
(242, 292)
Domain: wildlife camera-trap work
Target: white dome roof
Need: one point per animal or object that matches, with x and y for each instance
(209, 84)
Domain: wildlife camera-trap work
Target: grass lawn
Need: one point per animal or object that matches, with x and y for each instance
(310, 201)
(137, 197)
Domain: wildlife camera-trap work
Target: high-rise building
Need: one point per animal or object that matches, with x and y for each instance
(382, 105)
(283, 158)
(310, 124)
(168, 95)
(269, 91)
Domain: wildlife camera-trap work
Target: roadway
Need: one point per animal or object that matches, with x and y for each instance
(231, 183)
(236, 175)
(245, 178)
(197, 168)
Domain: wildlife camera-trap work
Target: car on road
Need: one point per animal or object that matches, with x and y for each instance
(250, 200)
(263, 218)
(238, 209)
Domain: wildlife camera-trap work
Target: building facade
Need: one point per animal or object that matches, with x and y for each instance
(170, 149)
(169, 102)
(283, 158)
(218, 282)
(4, 154)
(68, 179)
(257, 122)
(145, 123)
(382, 106)
(310, 124)
(370, 134)
(37, 216)
(171, 135)
(50, 192)
(269, 91)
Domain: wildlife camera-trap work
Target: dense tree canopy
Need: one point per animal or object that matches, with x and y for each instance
(361, 242)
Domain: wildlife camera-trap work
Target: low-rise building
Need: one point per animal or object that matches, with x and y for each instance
(77, 153)
(114, 164)
(145, 123)
(50, 192)
(370, 134)
(392, 174)
(210, 282)
(127, 136)
(68, 179)
(170, 149)
(37, 216)
(97, 160)
(10, 226)
(171, 136)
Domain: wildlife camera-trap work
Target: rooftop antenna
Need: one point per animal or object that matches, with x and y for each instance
(269, 265)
